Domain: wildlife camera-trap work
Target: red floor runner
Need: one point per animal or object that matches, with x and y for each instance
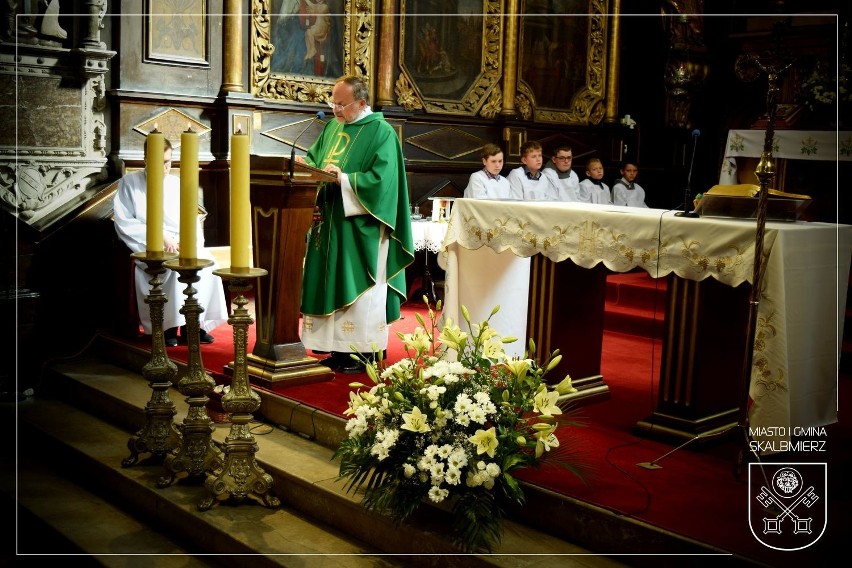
(694, 493)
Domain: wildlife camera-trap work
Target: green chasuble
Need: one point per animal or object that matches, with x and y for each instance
(342, 252)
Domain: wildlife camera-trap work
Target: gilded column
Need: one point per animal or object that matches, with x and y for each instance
(510, 57)
(387, 48)
(232, 48)
(614, 65)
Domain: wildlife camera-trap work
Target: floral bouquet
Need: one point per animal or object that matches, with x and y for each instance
(452, 428)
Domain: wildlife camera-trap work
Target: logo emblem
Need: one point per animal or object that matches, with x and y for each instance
(788, 504)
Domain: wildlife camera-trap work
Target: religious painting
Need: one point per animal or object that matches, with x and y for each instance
(176, 32)
(299, 47)
(563, 54)
(308, 38)
(450, 54)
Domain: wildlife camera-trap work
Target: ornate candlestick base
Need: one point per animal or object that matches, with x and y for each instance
(240, 477)
(159, 436)
(197, 454)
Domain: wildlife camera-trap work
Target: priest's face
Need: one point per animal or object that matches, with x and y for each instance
(346, 107)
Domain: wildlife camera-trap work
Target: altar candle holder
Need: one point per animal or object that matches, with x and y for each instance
(241, 476)
(159, 436)
(197, 454)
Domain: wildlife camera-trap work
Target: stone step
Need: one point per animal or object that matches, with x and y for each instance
(56, 515)
(87, 410)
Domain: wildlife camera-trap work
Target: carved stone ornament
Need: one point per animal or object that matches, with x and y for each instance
(54, 151)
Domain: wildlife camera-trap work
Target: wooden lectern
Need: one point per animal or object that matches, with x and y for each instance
(282, 211)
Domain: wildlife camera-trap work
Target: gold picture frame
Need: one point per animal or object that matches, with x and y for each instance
(563, 60)
(450, 63)
(298, 54)
(176, 32)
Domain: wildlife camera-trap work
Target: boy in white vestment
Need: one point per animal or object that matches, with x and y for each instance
(528, 182)
(487, 183)
(593, 189)
(625, 190)
(559, 169)
(130, 212)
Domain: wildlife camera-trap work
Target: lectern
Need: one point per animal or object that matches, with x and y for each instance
(282, 211)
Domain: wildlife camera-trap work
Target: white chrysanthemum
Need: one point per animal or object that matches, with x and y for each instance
(463, 420)
(387, 437)
(443, 368)
(445, 451)
(436, 473)
(380, 451)
(430, 451)
(457, 459)
(477, 414)
(463, 404)
(453, 476)
(436, 494)
(451, 378)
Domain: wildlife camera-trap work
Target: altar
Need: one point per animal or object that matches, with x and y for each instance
(489, 245)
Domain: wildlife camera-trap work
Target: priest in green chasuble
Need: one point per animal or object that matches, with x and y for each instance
(360, 242)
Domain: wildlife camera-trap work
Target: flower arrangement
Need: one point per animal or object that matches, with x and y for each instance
(453, 429)
(821, 90)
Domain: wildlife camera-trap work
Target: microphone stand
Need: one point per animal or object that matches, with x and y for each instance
(687, 193)
(319, 116)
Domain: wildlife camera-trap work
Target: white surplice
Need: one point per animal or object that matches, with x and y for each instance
(130, 208)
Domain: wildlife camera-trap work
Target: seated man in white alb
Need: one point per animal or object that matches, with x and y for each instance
(593, 189)
(625, 190)
(487, 183)
(559, 169)
(130, 207)
(528, 182)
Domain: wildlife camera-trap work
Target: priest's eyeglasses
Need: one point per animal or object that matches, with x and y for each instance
(336, 107)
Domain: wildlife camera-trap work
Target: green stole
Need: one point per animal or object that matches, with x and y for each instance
(342, 254)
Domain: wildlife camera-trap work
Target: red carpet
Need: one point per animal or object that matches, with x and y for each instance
(695, 492)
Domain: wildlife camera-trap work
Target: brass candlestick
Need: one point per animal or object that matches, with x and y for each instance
(197, 454)
(159, 435)
(240, 477)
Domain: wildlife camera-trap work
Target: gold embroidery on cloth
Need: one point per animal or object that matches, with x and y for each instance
(763, 375)
(723, 264)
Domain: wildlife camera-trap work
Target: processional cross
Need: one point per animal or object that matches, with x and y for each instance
(749, 67)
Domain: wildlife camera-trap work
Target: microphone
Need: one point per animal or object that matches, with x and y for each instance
(319, 116)
(687, 193)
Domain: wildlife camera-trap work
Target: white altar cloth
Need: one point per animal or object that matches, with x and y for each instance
(788, 144)
(800, 315)
(428, 235)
